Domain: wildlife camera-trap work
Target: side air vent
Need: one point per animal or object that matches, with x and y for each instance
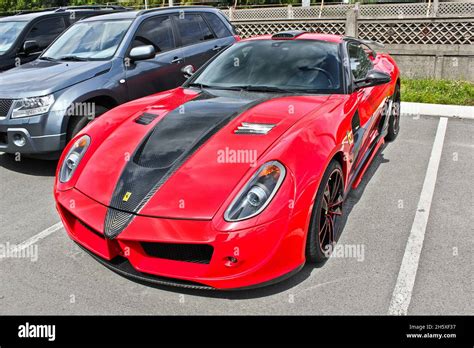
(146, 119)
(254, 128)
(195, 253)
(287, 35)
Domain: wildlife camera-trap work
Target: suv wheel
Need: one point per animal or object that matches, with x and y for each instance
(76, 123)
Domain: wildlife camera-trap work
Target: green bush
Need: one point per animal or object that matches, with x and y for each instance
(438, 91)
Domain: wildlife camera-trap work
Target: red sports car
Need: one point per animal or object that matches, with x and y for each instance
(237, 178)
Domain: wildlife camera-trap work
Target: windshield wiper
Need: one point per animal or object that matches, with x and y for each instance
(202, 85)
(243, 88)
(50, 59)
(253, 88)
(73, 58)
(199, 85)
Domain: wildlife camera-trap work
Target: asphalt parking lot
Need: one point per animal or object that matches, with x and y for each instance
(380, 220)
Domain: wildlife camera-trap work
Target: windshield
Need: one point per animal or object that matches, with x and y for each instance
(290, 66)
(9, 31)
(94, 40)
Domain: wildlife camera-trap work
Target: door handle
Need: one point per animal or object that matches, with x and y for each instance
(217, 48)
(176, 60)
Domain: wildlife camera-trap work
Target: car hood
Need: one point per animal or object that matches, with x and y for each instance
(41, 77)
(188, 160)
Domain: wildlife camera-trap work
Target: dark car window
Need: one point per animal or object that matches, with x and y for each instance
(10, 32)
(216, 23)
(155, 31)
(296, 65)
(193, 29)
(45, 31)
(359, 61)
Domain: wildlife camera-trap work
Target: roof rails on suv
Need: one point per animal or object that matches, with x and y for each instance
(142, 12)
(93, 7)
(35, 11)
(82, 7)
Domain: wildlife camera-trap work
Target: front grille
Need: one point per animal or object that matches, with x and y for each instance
(122, 266)
(5, 105)
(3, 138)
(196, 253)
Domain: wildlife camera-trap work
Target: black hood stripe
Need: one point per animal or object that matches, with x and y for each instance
(166, 147)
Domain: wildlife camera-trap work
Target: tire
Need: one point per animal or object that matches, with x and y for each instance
(318, 241)
(76, 123)
(394, 120)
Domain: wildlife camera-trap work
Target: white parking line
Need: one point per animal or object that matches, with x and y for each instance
(406, 277)
(36, 238)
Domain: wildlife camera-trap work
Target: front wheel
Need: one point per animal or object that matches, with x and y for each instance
(394, 120)
(325, 218)
(79, 121)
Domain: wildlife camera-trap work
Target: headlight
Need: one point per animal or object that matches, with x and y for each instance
(32, 106)
(258, 193)
(73, 158)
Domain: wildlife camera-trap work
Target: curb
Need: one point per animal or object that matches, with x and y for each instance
(439, 110)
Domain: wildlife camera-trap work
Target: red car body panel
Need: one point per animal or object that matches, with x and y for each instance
(189, 207)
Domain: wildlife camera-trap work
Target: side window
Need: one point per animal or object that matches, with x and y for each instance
(359, 60)
(193, 29)
(157, 32)
(216, 23)
(45, 31)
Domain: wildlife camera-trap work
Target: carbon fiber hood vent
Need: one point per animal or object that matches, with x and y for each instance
(146, 119)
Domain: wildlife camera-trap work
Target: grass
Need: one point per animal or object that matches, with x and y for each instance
(438, 91)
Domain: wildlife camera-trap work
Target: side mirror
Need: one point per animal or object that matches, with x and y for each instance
(30, 46)
(373, 78)
(142, 53)
(188, 71)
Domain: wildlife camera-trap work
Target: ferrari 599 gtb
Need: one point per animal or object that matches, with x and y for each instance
(237, 178)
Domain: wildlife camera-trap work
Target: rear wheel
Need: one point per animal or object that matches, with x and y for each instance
(327, 211)
(394, 120)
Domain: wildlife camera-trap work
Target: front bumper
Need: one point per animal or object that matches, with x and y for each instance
(262, 254)
(35, 135)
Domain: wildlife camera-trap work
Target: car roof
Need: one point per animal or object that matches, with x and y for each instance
(303, 36)
(135, 14)
(117, 15)
(28, 16)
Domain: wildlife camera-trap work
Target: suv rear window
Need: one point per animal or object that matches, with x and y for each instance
(193, 29)
(216, 23)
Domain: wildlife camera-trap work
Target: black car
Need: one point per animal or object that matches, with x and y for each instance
(25, 35)
(102, 62)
